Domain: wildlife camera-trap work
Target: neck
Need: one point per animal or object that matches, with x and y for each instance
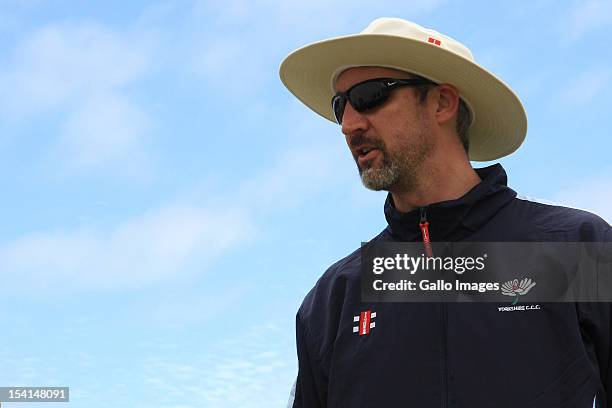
(447, 180)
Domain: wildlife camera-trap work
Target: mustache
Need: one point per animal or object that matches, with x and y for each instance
(363, 139)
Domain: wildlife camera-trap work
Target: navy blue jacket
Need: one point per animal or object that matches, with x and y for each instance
(459, 355)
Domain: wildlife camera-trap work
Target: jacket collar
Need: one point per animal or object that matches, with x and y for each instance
(454, 220)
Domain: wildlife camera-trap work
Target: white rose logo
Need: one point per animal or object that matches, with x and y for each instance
(517, 288)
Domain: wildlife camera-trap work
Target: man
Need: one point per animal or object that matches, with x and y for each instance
(415, 109)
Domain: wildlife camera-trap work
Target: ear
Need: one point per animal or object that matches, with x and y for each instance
(447, 104)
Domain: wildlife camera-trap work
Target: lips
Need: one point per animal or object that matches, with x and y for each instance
(362, 151)
(365, 154)
(364, 148)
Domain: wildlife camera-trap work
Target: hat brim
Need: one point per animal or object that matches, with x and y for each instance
(499, 125)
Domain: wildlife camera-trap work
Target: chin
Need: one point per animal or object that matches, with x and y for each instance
(378, 179)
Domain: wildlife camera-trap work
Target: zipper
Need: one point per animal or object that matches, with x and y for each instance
(424, 225)
(444, 359)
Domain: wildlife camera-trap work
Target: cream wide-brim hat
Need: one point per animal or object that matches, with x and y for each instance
(499, 122)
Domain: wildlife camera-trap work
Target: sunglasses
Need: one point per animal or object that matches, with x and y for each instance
(370, 94)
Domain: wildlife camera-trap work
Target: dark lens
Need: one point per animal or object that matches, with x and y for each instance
(338, 104)
(368, 95)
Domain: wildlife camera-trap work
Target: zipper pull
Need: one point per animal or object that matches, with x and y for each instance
(424, 225)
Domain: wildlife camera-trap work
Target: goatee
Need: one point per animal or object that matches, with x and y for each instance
(397, 170)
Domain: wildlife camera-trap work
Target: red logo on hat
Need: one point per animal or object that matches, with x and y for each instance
(433, 41)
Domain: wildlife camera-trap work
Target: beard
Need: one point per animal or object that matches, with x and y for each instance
(400, 168)
(384, 177)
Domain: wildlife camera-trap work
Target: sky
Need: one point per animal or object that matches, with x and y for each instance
(167, 203)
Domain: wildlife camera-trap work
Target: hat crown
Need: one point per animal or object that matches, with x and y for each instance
(407, 29)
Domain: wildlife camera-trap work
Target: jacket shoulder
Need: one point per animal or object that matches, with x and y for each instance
(556, 221)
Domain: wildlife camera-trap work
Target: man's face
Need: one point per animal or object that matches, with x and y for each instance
(391, 142)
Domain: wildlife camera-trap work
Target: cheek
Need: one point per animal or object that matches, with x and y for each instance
(383, 121)
(397, 113)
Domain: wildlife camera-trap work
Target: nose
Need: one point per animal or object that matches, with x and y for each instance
(353, 121)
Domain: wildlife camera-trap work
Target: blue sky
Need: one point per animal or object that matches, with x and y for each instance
(167, 203)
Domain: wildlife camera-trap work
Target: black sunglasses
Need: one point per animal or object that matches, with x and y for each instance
(369, 94)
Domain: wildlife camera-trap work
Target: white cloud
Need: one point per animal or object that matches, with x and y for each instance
(57, 66)
(299, 173)
(587, 16)
(188, 309)
(166, 242)
(582, 89)
(78, 74)
(148, 248)
(105, 128)
(11, 11)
